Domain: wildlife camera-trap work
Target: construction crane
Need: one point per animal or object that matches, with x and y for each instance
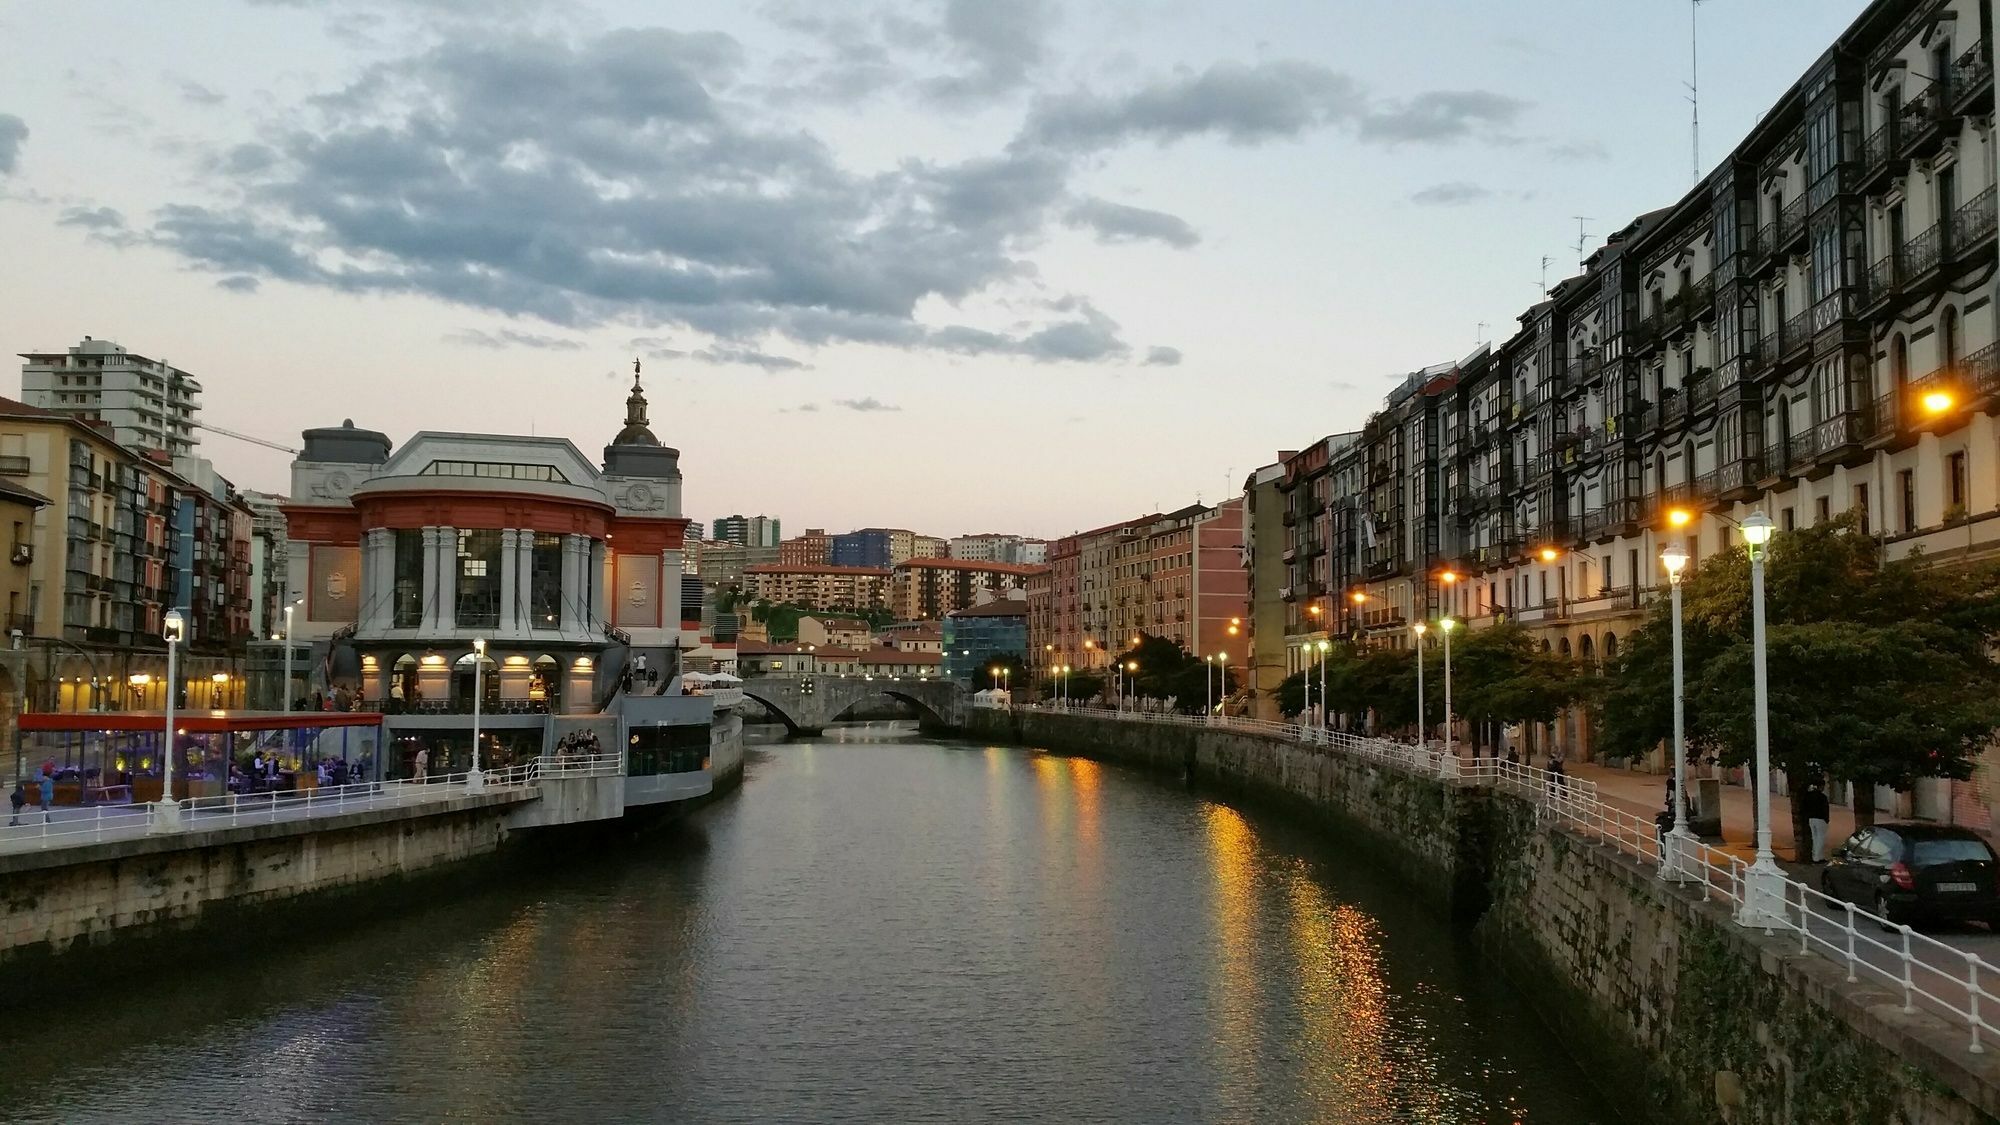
(215, 429)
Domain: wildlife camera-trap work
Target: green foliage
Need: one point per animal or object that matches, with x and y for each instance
(1878, 672)
(1077, 687)
(1291, 692)
(989, 674)
(1168, 671)
(1501, 675)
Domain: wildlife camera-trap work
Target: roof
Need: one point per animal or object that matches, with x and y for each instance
(841, 621)
(11, 491)
(814, 568)
(1002, 607)
(966, 564)
(880, 655)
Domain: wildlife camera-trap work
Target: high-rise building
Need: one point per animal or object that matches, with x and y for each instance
(814, 548)
(267, 562)
(874, 546)
(996, 547)
(929, 547)
(147, 403)
(930, 588)
(748, 531)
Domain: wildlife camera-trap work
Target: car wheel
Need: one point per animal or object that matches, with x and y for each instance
(1884, 911)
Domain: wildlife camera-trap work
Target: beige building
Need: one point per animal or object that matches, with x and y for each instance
(851, 588)
(836, 631)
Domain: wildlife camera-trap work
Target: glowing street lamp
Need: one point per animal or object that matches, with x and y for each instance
(1675, 560)
(1679, 517)
(476, 780)
(1446, 626)
(1419, 629)
(166, 815)
(1326, 718)
(1937, 402)
(1763, 900)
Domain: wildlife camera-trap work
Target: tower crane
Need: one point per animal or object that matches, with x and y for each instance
(215, 429)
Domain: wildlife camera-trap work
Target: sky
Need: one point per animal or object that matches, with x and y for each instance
(952, 265)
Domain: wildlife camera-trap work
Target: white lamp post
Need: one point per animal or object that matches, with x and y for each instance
(166, 816)
(1675, 560)
(1419, 629)
(1446, 626)
(476, 780)
(1306, 682)
(1325, 716)
(289, 607)
(1764, 889)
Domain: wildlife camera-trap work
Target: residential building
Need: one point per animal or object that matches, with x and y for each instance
(212, 575)
(836, 631)
(849, 588)
(748, 531)
(996, 547)
(268, 566)
(874, 546)
(912, 636)
(798, 659)
(930, 588)
(1809, 331)
(976, 635)
(1040, 599)
(722, 565)
(1265, 639)
(148, 403)
(929, 547)
(814, 548)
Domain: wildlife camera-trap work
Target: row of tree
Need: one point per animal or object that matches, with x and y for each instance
(1159, 669)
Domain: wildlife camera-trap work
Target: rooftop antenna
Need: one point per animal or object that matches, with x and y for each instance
(1694, 81)
(1582, 236)
(1545, 275)
(1479, 332)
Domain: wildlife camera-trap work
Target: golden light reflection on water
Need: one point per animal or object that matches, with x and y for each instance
(1233, 863)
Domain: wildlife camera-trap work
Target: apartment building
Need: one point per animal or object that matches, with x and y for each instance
(814, 548)
(997, 547)
(928, 589)
(850, 588)
(749, 531)
(148, 403)
(1810, 331)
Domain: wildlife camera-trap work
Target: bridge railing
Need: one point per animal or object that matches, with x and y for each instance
(1956, 984)
(67, 826)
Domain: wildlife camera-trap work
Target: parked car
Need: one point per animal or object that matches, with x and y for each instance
(1917, 872)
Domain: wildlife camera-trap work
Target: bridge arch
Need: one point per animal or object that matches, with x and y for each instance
(807, 704)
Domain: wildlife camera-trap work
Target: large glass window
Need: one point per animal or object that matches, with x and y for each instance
(545, 582)
(408, 568)
(478, 604)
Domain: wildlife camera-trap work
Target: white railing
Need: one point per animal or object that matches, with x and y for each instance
(66, 826)
(1926, 972)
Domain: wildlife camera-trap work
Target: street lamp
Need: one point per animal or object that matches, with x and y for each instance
(476, 780)
(1446, 626)
(1675, 560)
(1132, 681)
(1937, 402)
(289, 607)
(167, 811)
(1419, 629)
(1325, 718)
(1763, 900)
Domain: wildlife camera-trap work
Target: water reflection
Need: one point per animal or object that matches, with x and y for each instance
(887, 930)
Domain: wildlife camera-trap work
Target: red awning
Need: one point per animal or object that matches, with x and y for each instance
(196, 721)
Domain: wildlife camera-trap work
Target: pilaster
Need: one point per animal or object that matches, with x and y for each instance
(510, 583)
(670, 591)
(433, 581)
(447, 579)
(599, 583)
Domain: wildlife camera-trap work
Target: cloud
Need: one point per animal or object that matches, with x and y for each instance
(1160, 355)
(865, 405)
(511, 338)
(1002, 43)
(802, 408)
(13, 131)
(237, 283)
(749, 357)
(1451, 194)
(621, 179)
(1249, 103)
(198, 94)
(1578, 150)
(1116, 222)
(103, 219)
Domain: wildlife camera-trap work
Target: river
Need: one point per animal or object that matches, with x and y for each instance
(877, 928)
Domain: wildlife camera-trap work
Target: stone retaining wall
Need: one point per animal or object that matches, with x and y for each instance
(1680, 1014)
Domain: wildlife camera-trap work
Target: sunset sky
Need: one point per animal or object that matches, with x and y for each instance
(949, 265)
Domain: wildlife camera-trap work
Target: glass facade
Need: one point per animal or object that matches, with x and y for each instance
(478, 598)
(408, 609)
(545, 582)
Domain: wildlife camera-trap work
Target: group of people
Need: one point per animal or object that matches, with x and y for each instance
(44, 787)
(578, 744)
(638, 672)
(267, 772)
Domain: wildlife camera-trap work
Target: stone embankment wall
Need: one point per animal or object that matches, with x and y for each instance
(54, 901)
(1679, 1013)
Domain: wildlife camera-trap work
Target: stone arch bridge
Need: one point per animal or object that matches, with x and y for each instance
(806, 704)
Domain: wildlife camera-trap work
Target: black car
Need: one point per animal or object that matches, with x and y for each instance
(1917, 872)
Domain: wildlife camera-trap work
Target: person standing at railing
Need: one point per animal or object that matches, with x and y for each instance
(18, 798)
(1817, 810)
(48, 792)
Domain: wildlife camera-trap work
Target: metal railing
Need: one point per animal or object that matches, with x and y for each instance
(1946, 981)
(67, 826)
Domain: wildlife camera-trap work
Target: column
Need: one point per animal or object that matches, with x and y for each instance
(597, 583)
(433, 582)
(447, 579)
(378, 565)
(670, 591)
(574, 559)
(510, 578)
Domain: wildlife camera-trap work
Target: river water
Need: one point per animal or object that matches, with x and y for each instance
(877, 928)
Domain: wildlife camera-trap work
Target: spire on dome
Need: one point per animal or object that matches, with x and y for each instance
(635, 431)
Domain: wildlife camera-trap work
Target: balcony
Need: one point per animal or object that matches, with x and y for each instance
(1701, 299)
(1922, 254)
(1800, 451)
(1885, 281)
(1982, 369)
(1918, 125)
(1700, 390)
(1971, 225)
(1673, 407)
(1878, 154)
(14, 466)
(1735, 479)
(1796, 335)
(1502, 550)
(1885, 420)
(1645, 335)
(1791, 225)
(1291, 518)
(1841, 435)
(1972, 81)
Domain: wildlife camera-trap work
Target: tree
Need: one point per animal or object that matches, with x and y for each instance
(1500, 676)
(1168, 671)
(989, 673)
(1291, 694)
(1878, 672)
(1077, 687)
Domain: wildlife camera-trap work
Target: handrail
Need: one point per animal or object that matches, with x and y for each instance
(1945, 980)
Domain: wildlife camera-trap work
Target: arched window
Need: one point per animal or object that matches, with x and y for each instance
(1610, 647)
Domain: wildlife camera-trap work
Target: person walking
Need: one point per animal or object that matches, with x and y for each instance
(1817, 812)
(423, 762)
(18, 798)
(48, 793)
